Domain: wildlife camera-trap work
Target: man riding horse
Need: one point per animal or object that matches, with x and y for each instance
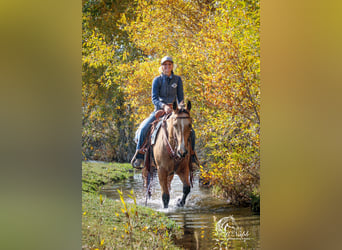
(165, 89)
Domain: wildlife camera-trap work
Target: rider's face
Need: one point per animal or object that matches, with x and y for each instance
(167, 68)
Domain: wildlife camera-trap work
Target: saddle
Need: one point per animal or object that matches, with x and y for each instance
(152, 133)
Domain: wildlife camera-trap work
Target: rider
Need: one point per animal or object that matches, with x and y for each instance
(165, 88)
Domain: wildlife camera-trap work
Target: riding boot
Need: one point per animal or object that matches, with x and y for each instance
(194, 160)
(137, 160)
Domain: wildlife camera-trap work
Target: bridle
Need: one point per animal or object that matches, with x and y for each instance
(171, 151)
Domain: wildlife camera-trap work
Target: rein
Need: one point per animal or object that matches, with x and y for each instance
(170, 150)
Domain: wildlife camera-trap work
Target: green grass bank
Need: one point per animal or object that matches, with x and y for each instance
(109, 224)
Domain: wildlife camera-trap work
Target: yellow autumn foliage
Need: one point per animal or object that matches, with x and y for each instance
(216, 49)
(215, 46)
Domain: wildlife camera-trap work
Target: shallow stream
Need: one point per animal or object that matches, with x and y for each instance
(197, 217)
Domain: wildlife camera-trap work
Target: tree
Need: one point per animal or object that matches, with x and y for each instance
(106, 133)
(216, 47)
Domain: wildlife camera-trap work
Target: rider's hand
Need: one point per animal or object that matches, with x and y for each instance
(167, 109)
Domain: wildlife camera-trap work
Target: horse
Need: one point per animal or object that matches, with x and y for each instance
(172, 151)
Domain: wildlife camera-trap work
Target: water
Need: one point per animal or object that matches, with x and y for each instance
(197, 217)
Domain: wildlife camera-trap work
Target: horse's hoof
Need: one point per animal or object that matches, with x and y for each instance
(166, 199)
(179, 203)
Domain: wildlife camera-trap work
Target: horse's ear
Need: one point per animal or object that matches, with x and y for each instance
(175, 105)
(188, 106)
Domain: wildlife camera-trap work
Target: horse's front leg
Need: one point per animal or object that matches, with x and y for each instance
(184, 176)
(186, 191)
(163, 181)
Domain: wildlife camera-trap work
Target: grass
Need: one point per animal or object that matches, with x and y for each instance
(96, 174)
(109, 224)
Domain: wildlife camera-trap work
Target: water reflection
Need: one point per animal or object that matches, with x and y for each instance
(197, 217)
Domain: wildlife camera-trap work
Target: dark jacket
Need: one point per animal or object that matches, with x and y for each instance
(165, 89)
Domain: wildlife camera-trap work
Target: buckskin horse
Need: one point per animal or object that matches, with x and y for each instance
(172, 151)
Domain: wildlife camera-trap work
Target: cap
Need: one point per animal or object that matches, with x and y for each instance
(166, 58)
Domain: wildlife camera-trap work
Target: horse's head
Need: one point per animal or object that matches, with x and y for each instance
(181, 127)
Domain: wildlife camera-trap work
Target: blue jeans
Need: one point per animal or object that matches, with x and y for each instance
(143, 129)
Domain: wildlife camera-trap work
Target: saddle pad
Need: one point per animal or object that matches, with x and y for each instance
(155, 132)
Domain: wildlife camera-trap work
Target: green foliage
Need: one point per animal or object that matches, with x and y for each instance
(255, 203)
(108, 224)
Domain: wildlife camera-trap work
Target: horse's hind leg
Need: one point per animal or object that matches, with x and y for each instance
(184, 176)
(163, 181)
